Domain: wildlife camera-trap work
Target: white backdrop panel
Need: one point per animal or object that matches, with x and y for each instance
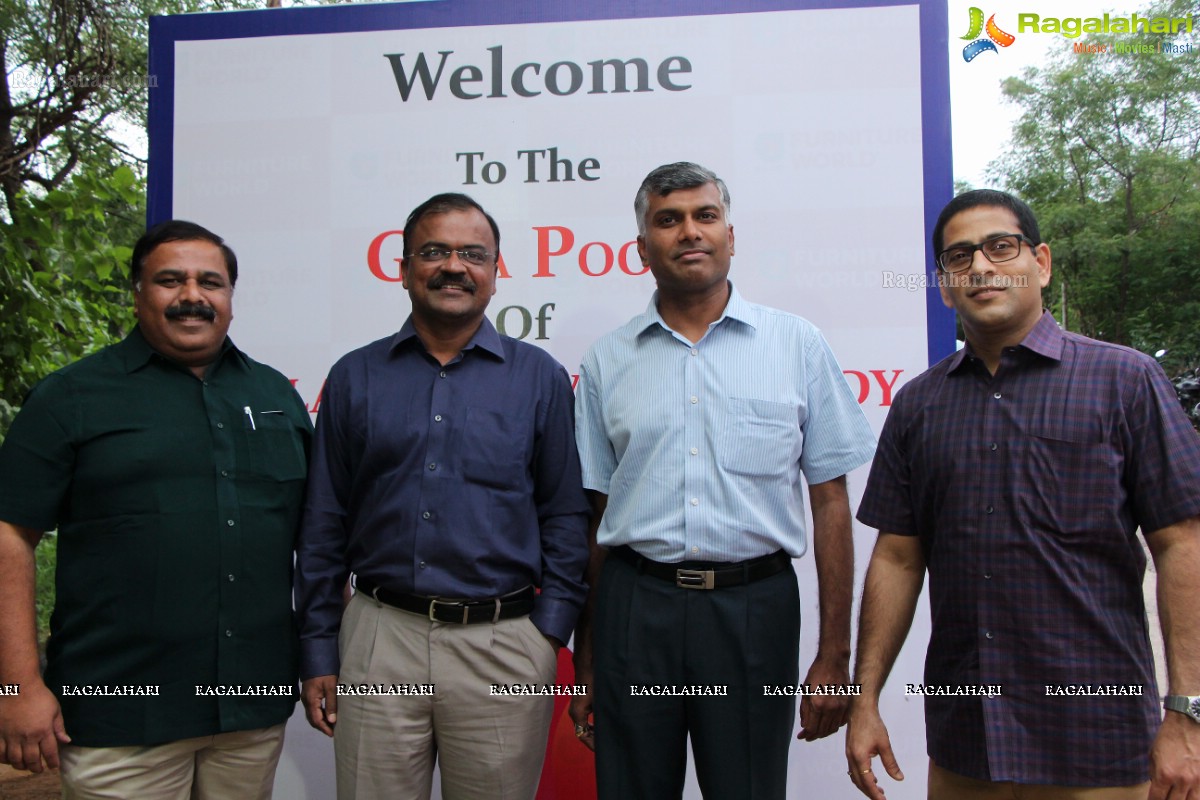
(290, 137)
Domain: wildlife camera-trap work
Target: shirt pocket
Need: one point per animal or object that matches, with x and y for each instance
(276, 449)
(759, 437)
(494, 449)
(1073, 481)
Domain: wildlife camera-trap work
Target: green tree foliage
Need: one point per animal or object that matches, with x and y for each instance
(1107, 152)
(63, 291)
(72, 194)
(45, 559)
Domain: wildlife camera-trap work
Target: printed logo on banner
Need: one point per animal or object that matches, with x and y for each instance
(995, 36)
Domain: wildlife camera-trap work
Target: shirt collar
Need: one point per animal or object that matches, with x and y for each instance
(136, 352)
(1045, 339)
(486, 338)
(737, 309)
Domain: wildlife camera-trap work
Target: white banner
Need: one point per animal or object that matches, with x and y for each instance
(304, 137)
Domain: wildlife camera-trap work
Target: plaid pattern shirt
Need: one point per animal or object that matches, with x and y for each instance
(1026, 489)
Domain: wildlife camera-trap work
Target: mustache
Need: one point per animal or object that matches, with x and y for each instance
(442, 280)
(186, 309)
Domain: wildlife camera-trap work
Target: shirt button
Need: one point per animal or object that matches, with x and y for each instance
(224, 473)
(987, 576)
(994, 446)
(987, 634)
(433, 466)
(220, 424)
(695, 399)
(442, 374)
(694, 451)
(695, 501)
(437, 417)
(997, 395)
(989, 509)
(231, 578)
(426, 515)
(695, 352)
(229, 522)
(422, 565)
(228, 632)
(695, 550)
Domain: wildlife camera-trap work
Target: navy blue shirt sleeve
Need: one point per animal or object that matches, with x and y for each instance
(557, 492)
(321, 570)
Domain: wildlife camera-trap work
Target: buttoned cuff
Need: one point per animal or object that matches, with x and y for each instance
(555, 618)
(319, 657)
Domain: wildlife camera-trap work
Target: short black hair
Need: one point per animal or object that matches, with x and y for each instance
(178, 230)
(441, 204)
(987, 197)
(670, 177)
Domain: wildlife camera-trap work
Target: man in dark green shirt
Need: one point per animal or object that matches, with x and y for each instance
(173, 467)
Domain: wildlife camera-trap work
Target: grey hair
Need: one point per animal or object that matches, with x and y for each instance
(665, 179)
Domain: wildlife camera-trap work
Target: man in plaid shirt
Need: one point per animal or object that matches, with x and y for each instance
(1016, 472)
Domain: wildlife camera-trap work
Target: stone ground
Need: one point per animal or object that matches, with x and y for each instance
(25, 786)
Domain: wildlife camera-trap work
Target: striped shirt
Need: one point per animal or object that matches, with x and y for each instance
(700, 447)
(1026, 489)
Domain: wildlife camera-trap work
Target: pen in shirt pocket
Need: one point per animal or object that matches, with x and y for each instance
(250, 424)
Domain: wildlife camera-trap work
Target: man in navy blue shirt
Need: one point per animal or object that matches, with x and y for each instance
(446, 479)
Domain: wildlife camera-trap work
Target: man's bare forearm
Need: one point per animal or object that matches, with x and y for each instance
(597, 554)
(833, 552)
(892, 587)
(18, 614)
(580, 708)
(1176, 552)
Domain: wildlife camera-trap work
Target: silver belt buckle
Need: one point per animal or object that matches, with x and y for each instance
(695, 579)
(433, 604)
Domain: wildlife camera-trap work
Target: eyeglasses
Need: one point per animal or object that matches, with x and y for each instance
(440, 255)
(997, 250)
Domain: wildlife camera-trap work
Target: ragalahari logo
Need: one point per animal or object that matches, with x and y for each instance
(994, 35)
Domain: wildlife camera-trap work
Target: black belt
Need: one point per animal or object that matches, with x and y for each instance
(706, 575)
(460, 612)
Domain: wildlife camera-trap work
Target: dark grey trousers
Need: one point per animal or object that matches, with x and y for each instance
(648, 634)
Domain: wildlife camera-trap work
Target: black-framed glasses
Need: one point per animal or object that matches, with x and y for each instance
(440, 255)
(997, 250)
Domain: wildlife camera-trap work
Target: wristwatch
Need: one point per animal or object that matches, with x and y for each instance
(1184, 704)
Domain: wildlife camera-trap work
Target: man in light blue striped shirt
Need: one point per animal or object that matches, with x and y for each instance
(695, 422)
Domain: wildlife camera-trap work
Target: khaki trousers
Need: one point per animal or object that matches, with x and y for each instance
(490, 747)
(946, 785)
(238, 765)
